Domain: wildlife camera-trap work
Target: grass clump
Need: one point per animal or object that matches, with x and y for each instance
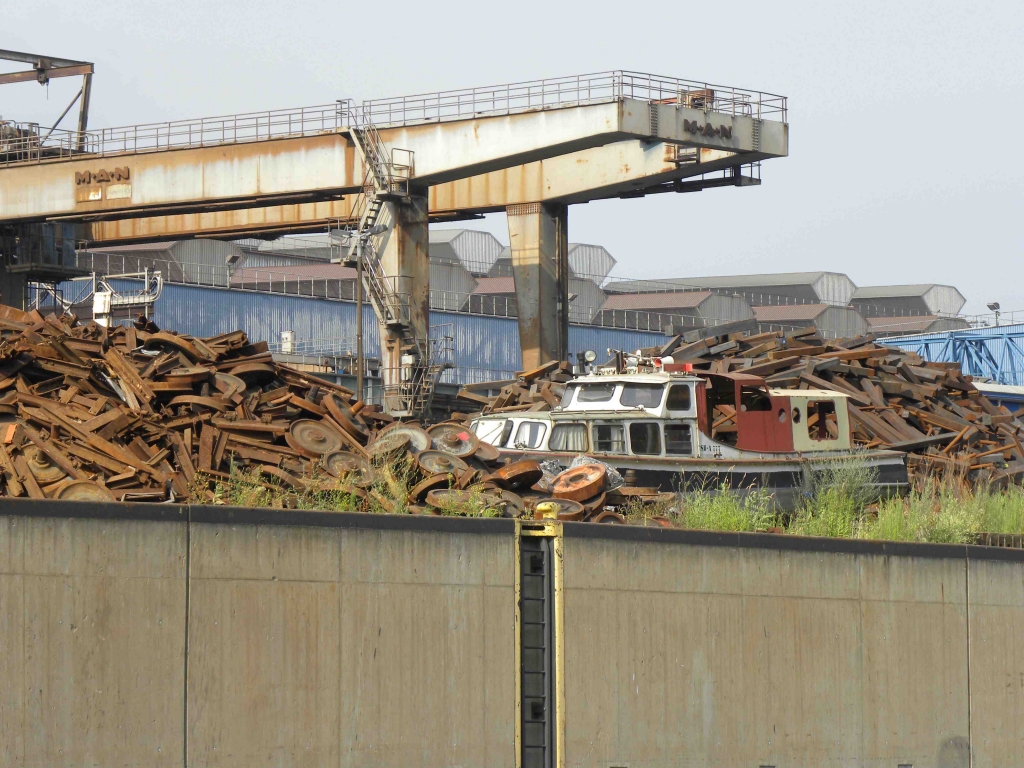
(838, 502)
(725, 509)
(709, 509)
(471, 503)
(948, 512)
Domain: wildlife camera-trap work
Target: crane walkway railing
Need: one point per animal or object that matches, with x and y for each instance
(25, 143)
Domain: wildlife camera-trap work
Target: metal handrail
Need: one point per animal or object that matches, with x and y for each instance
(438, 106)
(574, 90)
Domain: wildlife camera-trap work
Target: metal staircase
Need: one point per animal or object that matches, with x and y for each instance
(409, 389)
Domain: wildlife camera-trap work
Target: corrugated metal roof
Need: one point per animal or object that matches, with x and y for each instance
(916, 324)
(901, 324)
(165, 245)
(326, 271)
(495, 285)
(893, 291)
(444, 235)
(679, 300)
(296, 242)
(753, 281)
(788, 313)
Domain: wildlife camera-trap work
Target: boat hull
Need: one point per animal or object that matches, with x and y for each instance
(789, 479)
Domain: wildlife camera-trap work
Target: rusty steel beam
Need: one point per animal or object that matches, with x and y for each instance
(30, 75)
(190, 179)
(405, 257)
(538, 238)
(614, 170)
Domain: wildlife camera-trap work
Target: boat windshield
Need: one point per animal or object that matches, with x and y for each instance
(647, 395)
(567, 395)
(596, 393)
(494, 431)
(530, 434)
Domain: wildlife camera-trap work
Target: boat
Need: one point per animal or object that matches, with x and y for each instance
(662, 425)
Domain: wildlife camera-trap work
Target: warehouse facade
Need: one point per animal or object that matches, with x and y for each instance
(288, 288)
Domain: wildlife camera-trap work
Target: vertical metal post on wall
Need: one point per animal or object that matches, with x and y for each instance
(359, 329)
(540, 652)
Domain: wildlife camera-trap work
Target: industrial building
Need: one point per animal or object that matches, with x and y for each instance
(281, 284)
(831, 288)
(672, 311)
(831, 321)
(908, 300)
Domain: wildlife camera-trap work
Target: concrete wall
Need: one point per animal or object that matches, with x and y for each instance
(711, 655)
(129, 636)
(92, 640)
(307, 646)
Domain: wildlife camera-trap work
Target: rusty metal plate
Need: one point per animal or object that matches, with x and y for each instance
(84, 490)
(255, 372)
(43, 470)
(607, 517)
(428, 484)
(348, 421)
(596, 504)
(513, 500)
(472, 502)
(350, 467)
(454, 439)
(487, 452)
(438, 462)
(559, 509)
(419, 440)
(518, 474)
(386, 445)
(313, 438)
(193, 351)
(228, 385)
(580, 483)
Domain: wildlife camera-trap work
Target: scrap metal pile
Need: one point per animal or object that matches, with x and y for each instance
(897, 400)
(139, 414)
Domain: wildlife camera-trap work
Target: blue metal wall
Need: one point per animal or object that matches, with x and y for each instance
(996, 353)
(210, 311)
(486, 348)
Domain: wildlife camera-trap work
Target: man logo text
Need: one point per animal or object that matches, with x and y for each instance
(101, 176)
(722, 131)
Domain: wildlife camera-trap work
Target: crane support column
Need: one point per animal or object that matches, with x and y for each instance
(540, 265)
(406, 260)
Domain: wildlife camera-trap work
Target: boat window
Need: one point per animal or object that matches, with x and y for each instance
(754, 399)
(596, 393)
(493, 431)
(647, 395)
(821, 420)
(530, 434)
(645, 438)
(678, 440)
(569, 437)
(567, 395)
(609, 438)
(678, 397)
(721, 411)
(720, 393)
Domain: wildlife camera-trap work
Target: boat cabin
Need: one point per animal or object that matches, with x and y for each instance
(676, 414)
